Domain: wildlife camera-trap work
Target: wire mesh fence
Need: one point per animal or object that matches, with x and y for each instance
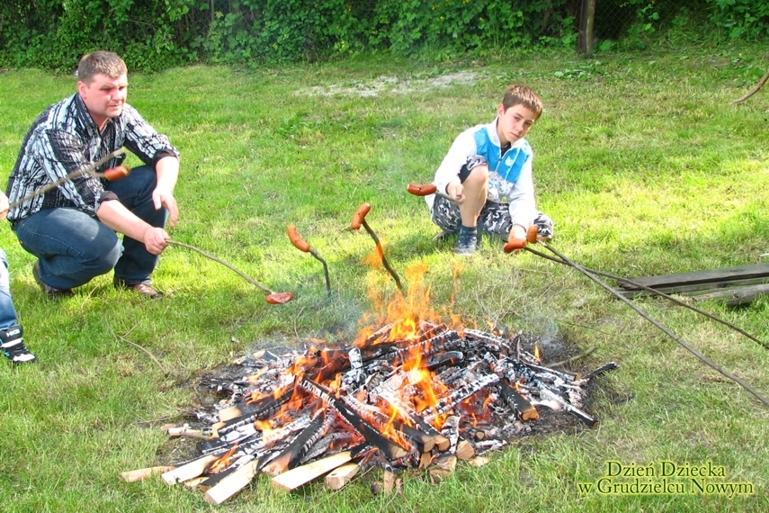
(633, 20)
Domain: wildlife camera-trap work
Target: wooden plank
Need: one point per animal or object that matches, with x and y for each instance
(737, 295)
(743, 297)
(743, 272)
(143, 473)
(233, 483)
(230, 413)
(190, 470)
(693, 289)
(295, 478)
(340, 476)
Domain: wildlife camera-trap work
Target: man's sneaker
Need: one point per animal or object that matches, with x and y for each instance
(50, 291)
(468, 241)
(12, 345)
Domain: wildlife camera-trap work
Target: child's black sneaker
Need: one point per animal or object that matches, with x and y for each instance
(12, 345)
(468, 241)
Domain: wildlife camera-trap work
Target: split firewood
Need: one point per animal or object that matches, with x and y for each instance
(388, 481)
(523, 408)
(442, 443)
(229, 413)
(339, 477)
(298, 447)
(216, 427)
(190, 470)
(364, 411)
(465, 450)
(451, 431)
(189, 433)
(442, 468)
(139, 475)
(478, 461)
(295, 478)
(195, 482)
(233, 483)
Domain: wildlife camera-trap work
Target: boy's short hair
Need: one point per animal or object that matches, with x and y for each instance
(106, 63)
(518, 94)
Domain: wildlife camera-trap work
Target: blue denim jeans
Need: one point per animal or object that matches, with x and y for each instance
(7, 311)
(72, 247)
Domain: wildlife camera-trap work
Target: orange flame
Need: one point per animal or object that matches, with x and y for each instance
(403, 312)
(223, 462)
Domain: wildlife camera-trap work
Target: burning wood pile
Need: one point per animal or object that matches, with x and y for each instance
(412, 394)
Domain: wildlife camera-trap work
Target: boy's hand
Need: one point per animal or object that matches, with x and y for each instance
(517, 232)
(456, 190)
(516, 239)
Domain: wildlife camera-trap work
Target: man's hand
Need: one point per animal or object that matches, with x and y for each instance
(166, 199)
(156, 240)
(3, 205)
(167, 170)
(457, 192)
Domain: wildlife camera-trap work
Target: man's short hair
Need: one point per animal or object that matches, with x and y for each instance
(106, 63)
(518, 94)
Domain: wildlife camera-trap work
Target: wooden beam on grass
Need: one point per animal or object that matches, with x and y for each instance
(709, 276)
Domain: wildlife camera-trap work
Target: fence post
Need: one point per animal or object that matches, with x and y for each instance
(586, 23)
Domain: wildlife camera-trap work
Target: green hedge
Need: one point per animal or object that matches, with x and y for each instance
(156, 34)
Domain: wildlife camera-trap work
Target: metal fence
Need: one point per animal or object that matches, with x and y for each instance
(634, 20)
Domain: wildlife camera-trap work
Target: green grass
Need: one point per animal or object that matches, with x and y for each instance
(640, 159)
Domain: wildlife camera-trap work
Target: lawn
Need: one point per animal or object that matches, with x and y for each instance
(640, 159)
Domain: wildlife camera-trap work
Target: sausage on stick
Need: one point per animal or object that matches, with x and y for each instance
(300, 244)
(358, 220)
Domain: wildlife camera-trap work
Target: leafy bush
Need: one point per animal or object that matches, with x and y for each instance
(155, 34)
(747, 19)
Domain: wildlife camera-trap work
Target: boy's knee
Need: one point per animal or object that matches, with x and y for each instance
(479, 176)
(545, 226)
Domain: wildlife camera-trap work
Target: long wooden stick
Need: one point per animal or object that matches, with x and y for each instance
(754, 91)
(659, 325)
(225, 264)
(88, 170)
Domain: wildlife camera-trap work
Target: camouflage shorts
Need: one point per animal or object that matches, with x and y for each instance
(494, 218)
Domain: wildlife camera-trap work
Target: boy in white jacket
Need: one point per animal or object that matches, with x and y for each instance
(488, 174)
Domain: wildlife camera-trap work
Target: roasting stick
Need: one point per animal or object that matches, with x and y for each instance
(531, 236)
(656, 293)
(301, 245)
(274, 298)
(358, 219)
(113, 174)
(426, 190)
